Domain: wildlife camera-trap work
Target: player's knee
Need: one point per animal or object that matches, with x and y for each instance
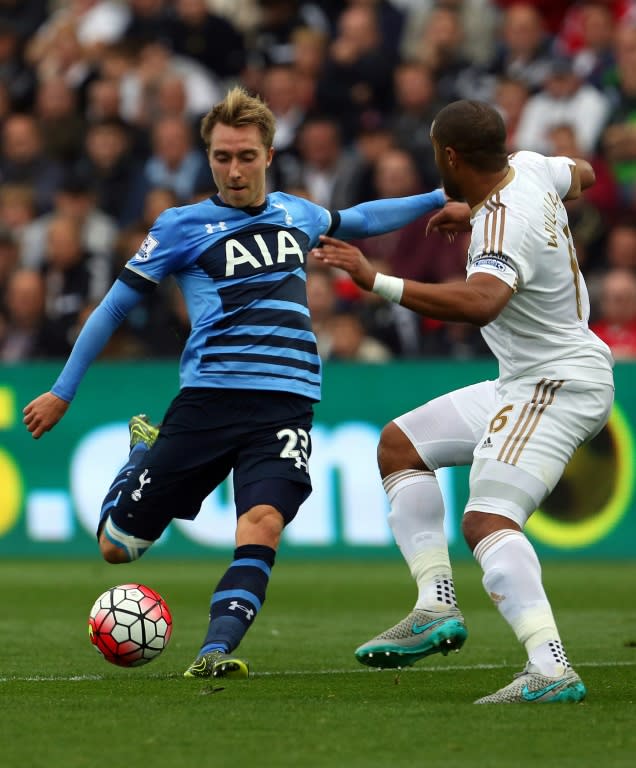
(117, 546)
(477, 525)
(112, 553)
(396, 452)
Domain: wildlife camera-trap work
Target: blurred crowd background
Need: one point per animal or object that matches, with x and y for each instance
(100, 105)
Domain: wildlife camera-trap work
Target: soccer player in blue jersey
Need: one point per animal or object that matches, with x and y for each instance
(249, 372)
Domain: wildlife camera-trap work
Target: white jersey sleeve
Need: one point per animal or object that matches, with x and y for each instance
(560, 172)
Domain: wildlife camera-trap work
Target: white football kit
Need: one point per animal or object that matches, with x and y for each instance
(555, 385)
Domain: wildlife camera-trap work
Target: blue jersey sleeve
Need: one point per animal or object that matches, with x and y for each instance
(165, 249)
(97, 330)
(379, 216)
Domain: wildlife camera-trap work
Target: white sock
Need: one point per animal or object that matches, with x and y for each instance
(417, 522)
(512, 578)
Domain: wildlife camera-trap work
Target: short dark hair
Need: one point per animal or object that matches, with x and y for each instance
(475, 130)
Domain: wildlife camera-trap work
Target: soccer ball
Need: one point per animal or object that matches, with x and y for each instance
(130, 625)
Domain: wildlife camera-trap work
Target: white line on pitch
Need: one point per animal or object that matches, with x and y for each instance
(301, 672)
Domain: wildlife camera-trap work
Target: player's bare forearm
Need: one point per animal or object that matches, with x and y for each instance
(478, 300)
(43, 413)
(583, 177)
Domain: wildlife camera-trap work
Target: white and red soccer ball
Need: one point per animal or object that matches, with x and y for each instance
(130, 625)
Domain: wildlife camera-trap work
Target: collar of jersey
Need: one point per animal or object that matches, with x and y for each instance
(503, 183)
(250, 210)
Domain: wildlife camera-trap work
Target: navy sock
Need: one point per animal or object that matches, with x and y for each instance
(114, 492)
(238, 597)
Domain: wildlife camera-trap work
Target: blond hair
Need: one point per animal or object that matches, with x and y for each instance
(239, 109)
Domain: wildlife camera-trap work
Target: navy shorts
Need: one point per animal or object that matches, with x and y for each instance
(206, 433)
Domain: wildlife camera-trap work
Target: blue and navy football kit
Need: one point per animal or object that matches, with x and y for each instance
(250, 373)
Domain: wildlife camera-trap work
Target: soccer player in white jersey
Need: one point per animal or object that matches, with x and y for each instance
(553, 393)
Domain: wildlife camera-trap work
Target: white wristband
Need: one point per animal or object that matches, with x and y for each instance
(388, 287)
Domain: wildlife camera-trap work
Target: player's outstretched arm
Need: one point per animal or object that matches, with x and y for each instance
(379, 216)
(43, 413)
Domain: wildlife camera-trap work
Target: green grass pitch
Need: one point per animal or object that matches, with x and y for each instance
(308, 702)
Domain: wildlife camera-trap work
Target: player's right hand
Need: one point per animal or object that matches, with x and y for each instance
(43, 413)
(343, 255)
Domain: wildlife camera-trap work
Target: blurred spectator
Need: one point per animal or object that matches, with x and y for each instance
(148, 20)
(373, 139)
(478, 20)
(98, 22)
(593, 51)
(114, 169)
(153, 62)
(18, 78)
(620, 248)
(350, 341)
(23, 160)
(322, 303)
(270, 40)
(357, 75)
(280, 94)
(616, 324)
(56, 51)
(69, 286)
(391, 20)
(523, 51)
(24, 332)
(551, 12)
(193, 29)
(75, 202)
(330, 173)
(510, 97)
(17, 207)
(416, 104)
(440, 48)
(564, 100)
(156, 201)
(175, 163)
(103, 99)
(619, 137)
(309, 51)
(61, 122)
(25, 16)
(6, 107)
(9, 256)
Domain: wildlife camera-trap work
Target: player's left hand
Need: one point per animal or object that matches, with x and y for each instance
(453, 217)
(43, 413)
(338, 253)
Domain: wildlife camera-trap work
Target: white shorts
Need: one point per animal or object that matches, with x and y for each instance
(518, 437)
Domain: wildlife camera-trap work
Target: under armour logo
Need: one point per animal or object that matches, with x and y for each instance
(212, 228)
(233, 606)
(136, 494)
